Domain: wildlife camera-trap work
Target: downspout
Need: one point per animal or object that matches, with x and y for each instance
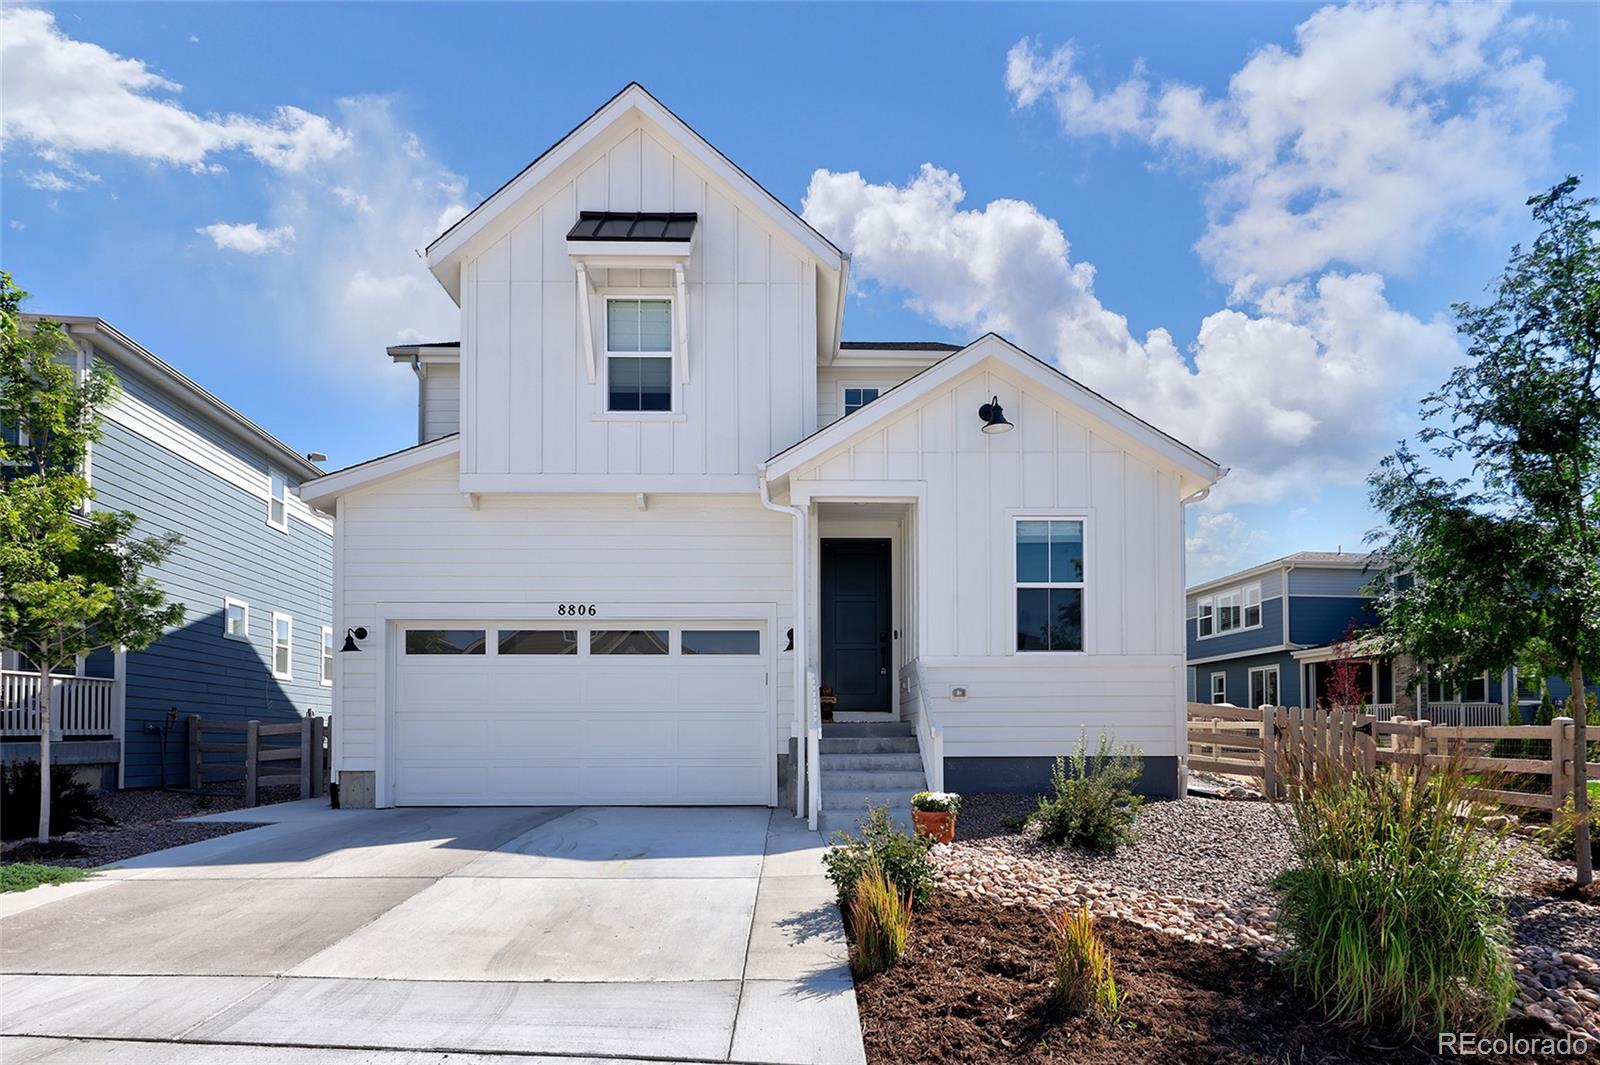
(802, 693)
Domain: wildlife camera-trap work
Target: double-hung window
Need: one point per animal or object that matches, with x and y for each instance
(327, 656)
(1219, 688)
(282, 646)
(1229, 613)
(1050, 584)
(1205, 620)
(856, 397)
(277, 501)
(1264, 686)
(1252, 608)
(639, 354)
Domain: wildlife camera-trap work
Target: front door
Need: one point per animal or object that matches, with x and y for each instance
(855, 623)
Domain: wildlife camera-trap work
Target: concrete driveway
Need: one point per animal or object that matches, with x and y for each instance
(594, 934)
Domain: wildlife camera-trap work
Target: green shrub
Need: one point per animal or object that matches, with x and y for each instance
(1085, 982)
(880, 921)
(1390, 911)
(72, 804)
(1094, 806)
(903, 857)
(1560, 837)
(20, 876)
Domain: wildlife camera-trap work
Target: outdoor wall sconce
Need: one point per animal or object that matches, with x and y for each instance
(350, 638)
(791, 641)
(994, 418)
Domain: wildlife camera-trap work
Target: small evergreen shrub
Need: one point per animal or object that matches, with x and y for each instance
(1390, 911)
(1094, 806)
(903, 857)
(72, 804)
(880, 921)
(1085, 981)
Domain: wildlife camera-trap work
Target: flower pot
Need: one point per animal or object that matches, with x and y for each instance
(937, 825)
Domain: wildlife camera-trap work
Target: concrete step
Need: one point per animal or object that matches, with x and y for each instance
(843, 819)
(867, 745)
(902, 762)
(858, 729)
(845, 781)
(856, 800)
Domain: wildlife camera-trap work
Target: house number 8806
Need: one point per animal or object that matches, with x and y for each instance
(576, 610)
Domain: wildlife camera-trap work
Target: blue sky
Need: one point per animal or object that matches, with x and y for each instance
(1289, 195)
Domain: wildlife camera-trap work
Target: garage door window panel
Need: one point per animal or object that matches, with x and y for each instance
(446, 641)
(628, 642)
(721, 642)
(538, 642)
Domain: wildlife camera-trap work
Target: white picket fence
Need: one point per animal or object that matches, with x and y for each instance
(82, 705)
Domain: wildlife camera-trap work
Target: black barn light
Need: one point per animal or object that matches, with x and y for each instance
(994, 418)
(350, 638)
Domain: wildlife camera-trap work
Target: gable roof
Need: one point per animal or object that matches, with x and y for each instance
(324, 490)
(169, 380)
(443, 252)
(992, 346)
(1312, 559)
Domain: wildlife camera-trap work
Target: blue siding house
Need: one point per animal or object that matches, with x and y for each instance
(254, 572)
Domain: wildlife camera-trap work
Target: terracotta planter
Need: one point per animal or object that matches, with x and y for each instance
(937, 825)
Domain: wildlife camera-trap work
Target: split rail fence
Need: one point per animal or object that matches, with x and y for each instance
(271, 754)
(1261, 744)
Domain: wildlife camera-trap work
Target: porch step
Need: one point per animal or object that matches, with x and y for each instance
(898, 761)
(898, 784)
(858, 729)
(867, 744)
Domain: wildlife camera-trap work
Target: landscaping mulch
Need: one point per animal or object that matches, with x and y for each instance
(975, 986)
(142, 820)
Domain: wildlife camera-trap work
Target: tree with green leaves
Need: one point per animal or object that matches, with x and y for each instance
(1503, 555)
(73, 578)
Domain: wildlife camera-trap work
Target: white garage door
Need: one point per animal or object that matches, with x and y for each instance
(646, 714)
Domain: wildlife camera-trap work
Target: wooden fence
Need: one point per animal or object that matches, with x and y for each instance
(267, 753)
(1262, 743)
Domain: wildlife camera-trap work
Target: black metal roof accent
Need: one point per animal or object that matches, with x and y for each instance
(651, 226)
(898, 345)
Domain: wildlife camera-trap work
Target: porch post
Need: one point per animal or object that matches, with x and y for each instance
(119, 714)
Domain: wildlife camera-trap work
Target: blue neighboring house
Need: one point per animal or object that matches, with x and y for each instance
(254, 572)
(1266, 635)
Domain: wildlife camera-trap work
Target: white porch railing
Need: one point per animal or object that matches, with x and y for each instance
(813, 757)
(930, 734)
(1466, 715)
(82, 706)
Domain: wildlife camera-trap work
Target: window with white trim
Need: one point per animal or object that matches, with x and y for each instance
(282, 646)
(858, 396)
(235, 619)
(1050, 584)
(1219, 688)
(1475, 691)
(639, 354)
(1233, 610)
(1264, 686)
(277, 501)
(326, 675)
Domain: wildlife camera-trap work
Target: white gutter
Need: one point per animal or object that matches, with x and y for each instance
(808, 737)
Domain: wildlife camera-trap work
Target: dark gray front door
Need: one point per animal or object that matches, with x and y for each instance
(855, 623)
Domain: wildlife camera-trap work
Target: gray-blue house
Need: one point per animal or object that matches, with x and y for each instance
(254, 572)
(1266, 635)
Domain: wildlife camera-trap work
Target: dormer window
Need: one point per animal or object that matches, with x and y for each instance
(639, 354)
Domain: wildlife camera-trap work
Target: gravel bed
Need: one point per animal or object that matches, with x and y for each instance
(1201, 869)
(143, 820)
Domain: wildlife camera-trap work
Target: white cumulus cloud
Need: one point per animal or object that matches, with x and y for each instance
(70, 97)
(248, 238)
(1303, 385)
(1383, 127)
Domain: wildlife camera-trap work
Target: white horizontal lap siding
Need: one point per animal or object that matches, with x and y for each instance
(831, 380)
(527, 404)
(414, 541)
(441, 401)
(1056, 462)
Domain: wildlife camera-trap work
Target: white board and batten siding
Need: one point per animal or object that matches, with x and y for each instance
(528, 407)
(411, 549)
(972, 487)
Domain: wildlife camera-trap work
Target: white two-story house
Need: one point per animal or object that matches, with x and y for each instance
(662, 518)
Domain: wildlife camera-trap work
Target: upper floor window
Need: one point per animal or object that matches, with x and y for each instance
(327, 657)
(277, 501)
(1233, 610)
(1050, 584)
(639, 354)
(235, 619)
(855, 398)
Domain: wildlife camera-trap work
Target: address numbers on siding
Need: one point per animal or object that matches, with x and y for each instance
(577, 610)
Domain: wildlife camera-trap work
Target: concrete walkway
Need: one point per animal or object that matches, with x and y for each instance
(390, 936)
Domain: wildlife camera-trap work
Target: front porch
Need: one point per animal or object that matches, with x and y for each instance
(86, 723)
